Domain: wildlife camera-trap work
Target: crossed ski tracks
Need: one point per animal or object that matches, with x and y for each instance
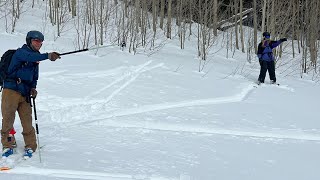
(246, 91)
(239, 97)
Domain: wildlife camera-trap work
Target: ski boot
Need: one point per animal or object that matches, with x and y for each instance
(6, 152)
(27, 153)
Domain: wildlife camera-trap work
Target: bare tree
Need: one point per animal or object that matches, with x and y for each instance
(294, 16)
(155, 4)
(241, 27)
(182, 24)
(190, 19)
(215, 16)
(169, 19)
(138, 22)
(313, 31)
(255, 25)
(236, 2)
(15, 14)
(73, 7)
(264, 15)
(101, 22)
(162, 13)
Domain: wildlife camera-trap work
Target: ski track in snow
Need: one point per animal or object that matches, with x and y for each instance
(246, 91)
(277, 134)
(72, 174)
(130, 75)
(163, 106)
(272, 134)
(133, 76)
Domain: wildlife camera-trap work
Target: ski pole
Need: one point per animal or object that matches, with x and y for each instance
(72, 52)
(37, 128)
(86, 49)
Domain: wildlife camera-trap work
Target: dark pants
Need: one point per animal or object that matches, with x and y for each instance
(267, 66)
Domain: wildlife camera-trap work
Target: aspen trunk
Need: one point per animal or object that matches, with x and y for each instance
(169, 19)
(255, 26)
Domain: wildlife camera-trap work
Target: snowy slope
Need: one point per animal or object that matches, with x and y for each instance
(111, 115)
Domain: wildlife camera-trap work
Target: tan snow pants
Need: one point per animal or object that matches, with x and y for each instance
(11, 102)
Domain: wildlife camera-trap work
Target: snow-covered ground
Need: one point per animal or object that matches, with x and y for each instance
(111, 115)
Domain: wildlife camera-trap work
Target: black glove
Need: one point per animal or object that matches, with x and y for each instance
(283, 39)
(53, 56)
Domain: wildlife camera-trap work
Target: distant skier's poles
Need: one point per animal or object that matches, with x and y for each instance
(37, 128)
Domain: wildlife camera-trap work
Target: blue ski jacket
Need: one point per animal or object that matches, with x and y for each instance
(265, 49)
(23, 71)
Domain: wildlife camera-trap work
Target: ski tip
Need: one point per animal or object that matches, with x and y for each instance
(4, 168)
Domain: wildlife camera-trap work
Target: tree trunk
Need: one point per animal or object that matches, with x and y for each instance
(236, 3)
(294, 12)
(255, 26)
(162, 13)
(190, 16)
(241, 27)
(264, 15)
(215, 16)
(74, 8)
(101, 21)
(154, 15)
(169, 19)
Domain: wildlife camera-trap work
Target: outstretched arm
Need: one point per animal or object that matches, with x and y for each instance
(28, 56)
(274, 44)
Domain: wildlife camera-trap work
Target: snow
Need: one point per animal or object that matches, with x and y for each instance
(112, 115)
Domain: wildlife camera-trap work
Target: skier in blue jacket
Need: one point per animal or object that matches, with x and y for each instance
(266, 58)
(18, 88)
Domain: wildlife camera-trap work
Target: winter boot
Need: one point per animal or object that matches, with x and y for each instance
(27, 153)
(6, 152)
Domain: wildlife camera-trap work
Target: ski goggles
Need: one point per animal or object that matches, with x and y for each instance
(37, 41)
(267, 37)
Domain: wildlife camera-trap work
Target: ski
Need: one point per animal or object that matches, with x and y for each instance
(4, 168)
(257, 84)
(7, 163)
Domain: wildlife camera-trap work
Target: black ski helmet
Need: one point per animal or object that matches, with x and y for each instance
(265, 34)
(34, 35)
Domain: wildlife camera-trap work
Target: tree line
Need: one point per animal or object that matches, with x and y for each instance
(141, 23)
